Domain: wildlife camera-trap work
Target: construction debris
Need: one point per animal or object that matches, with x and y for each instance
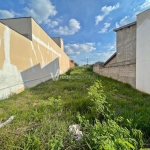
(6, 122)
(75, 130)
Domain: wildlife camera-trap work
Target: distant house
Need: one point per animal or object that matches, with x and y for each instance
(130, 63)
(72, 64)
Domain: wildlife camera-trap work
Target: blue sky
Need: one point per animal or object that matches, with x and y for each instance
(86, 26)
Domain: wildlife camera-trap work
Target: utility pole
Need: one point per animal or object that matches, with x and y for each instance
(87, 60)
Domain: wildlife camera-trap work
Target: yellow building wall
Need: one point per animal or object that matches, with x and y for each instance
(25, 63)
(41, 36)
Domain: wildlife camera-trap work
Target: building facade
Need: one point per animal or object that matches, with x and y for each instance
(143, 52)
(28, 55)
(71, 64)
(130, 64)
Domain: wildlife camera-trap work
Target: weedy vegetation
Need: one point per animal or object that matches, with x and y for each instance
(112, 115)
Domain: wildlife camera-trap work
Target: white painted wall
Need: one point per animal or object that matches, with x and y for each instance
(143, 52)
(10, 78)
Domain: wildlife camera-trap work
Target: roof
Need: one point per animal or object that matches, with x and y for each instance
(108, 60)
(125, 26)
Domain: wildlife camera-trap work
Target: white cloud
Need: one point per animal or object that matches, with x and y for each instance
(73, 57)
(106, 55)
(112, 47)
(78, 48)
(51, 23)
(125, 20)
(98, 19)
(110, 50)
(145, 5)
(6, 14)
(106, 26)
(41, 10)
(117, 25)
(129, 19)
(74, 26)
(106, 10)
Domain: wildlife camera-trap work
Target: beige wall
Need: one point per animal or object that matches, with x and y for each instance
(25, 63)
(40, 34)
(2, 28)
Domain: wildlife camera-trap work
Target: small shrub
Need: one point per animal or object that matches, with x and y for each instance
(107, 134)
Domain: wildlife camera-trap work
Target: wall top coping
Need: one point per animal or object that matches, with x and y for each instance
(109, 59)
(125, 26)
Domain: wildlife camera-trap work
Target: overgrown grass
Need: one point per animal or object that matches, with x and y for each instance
(39, 125)
(129, 103)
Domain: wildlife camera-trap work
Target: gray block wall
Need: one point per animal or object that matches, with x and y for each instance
(126, 44)
(111, 62)
(123, 66)
(125, 74)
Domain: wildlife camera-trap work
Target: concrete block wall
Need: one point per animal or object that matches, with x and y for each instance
(26, 63)
(122, 67)
(126, 44)
(96, 68)
(111, 62)
(125, 74)
(133, 46)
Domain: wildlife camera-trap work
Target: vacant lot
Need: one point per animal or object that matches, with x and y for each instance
(43, 113)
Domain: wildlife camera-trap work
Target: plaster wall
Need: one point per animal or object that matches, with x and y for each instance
(40, 37)
(143, 52)
(26, 63)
